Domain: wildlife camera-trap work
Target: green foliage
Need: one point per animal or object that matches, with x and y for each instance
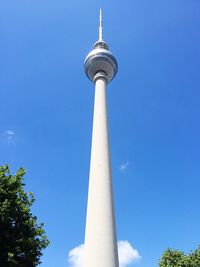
(21, 238)
(175, 258)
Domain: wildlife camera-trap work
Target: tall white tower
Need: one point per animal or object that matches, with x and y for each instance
(100, 235)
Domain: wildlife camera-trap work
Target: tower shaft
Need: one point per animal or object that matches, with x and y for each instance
(100, 236)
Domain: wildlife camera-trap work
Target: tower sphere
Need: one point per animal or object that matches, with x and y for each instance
(100, 59)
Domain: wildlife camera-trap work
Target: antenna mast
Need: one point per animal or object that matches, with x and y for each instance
(100, 26)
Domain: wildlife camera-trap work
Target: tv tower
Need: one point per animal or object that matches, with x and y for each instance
(100, 234)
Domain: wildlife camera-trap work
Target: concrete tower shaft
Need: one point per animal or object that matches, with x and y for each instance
(100, 235)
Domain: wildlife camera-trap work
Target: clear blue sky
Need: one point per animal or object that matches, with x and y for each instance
(46, 102)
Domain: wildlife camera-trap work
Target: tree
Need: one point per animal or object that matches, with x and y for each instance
(22, 239)
(176, 258)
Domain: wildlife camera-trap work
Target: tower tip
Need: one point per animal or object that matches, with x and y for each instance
(100, 26)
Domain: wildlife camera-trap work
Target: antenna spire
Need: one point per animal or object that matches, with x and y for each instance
(100, 26)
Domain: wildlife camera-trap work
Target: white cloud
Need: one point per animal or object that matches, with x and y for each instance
(75, 256)
(127, 255)
(9, 136)
(124, 166)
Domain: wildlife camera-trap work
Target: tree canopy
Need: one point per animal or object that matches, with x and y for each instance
(22, 239)
(176, 258)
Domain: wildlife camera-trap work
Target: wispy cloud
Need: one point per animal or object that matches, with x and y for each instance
(127, 255)
(124, 166)
(9, 136)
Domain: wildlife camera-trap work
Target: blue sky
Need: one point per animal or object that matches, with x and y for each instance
(46, 106)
